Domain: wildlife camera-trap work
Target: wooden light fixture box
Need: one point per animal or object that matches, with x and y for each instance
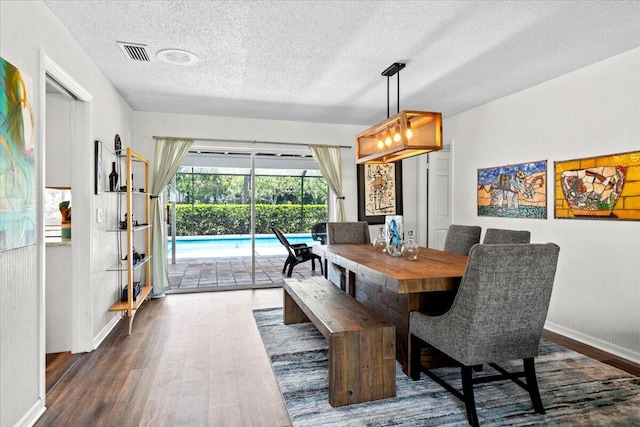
(403, 135)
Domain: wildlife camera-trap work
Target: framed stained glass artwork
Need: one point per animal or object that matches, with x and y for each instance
(513, 191)
(603, 187)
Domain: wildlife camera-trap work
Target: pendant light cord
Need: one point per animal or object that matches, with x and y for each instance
(398, 101)
(387, 97)
(397, 94)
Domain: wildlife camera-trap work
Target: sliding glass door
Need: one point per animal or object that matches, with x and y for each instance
(226, 204)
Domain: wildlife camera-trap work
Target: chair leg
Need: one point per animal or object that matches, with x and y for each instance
(469, 400)
(532, 384)
(313, 264)
(290, 269)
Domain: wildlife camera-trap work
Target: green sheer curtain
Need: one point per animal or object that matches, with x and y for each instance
(329, 161)
(169, 155)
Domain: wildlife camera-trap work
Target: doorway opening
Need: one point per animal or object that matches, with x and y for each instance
(65, 109)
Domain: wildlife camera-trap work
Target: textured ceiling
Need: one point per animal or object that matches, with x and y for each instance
(321, 61)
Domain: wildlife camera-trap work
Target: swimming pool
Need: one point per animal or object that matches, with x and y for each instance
(234, 245)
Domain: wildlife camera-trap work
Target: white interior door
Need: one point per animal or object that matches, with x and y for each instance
(439, 196)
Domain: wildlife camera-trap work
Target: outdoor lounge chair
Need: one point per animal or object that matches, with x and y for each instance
(298, 253)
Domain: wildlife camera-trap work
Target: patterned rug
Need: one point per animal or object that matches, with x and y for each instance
(576, 390)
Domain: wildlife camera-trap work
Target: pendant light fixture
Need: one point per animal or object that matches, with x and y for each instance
(406, 134)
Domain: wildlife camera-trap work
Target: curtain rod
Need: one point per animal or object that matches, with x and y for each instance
(247, 141)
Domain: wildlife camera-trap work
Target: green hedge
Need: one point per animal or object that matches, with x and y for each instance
(213, 220)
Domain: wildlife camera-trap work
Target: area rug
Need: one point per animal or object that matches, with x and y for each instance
(576, 390)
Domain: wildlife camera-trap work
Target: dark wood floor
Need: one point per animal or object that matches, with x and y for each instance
(594, 353)
(192, 359)
(58, 364)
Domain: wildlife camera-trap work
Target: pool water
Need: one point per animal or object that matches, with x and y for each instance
(234, 245)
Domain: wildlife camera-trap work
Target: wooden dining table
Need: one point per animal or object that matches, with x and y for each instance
(394, 286)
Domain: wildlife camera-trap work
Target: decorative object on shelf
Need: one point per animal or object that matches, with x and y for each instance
(117, 145)
(602, 187)
(65, 223)
(394, 230)
(406, 134)
(136, 257)
(137, 288)
(380, 242)
(98, 167)
(410, 249)
(18, 219)
(513, 191)
(379, 191)
(134, 222)
(113, 178)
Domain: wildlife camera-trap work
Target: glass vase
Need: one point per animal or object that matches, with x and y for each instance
(380, 242)
(410, 250)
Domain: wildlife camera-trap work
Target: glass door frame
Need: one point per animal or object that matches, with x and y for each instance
(253, 152)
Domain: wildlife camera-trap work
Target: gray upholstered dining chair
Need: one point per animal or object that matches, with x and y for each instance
(498, 235)
(497, 315)
(340, 233)
(460, 238)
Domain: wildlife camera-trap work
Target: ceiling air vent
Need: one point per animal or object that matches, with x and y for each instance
(135, 52)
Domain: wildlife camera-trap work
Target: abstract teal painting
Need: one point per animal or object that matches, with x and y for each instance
(17, 160)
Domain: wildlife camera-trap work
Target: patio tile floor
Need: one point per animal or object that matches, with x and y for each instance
(202, 274)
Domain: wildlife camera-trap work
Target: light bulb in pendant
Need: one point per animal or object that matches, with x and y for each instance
(396, 135)
(387, 139)
(380, 144)
(409, 133)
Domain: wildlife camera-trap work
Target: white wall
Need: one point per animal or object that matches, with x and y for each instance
(58, 265)
(58, 298)
(590, 112)
(58, 140)
(28, 29)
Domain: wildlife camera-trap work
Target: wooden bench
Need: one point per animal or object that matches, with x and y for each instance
(362, 344)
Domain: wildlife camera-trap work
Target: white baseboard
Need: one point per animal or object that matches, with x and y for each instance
(33, 414)
(106, 330)
(625, 353)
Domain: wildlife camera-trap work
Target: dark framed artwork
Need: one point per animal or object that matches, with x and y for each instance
(513, 191)
(379, 191)
(98, 167)
(603, 187)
